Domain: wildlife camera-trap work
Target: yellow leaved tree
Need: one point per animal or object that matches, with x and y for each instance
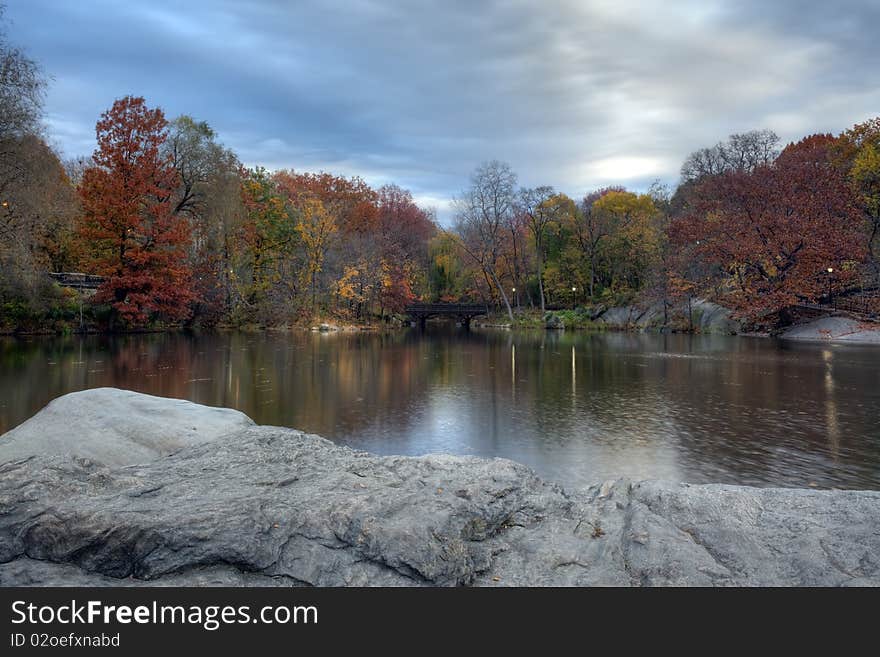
(316, 228)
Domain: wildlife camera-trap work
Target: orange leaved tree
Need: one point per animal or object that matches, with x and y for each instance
(137, 243)
(779, 234)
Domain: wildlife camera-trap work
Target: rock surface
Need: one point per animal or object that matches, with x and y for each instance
(835, 329)
(272, 506)
(707, 317)
(553, 321)
(118, 427)
(621, 316)
(712, 318)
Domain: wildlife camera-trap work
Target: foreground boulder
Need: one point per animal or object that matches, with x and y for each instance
(272, 506)
(118, 427)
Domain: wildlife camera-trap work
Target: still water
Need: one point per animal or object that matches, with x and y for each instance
(577, 407)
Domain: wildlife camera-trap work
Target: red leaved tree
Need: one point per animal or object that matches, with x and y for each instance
(773, 233)
(138, 244)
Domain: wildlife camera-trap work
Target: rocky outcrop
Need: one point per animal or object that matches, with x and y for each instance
(621, 316)
(709, 317)
(552, 321)
(835, 329)
(704, 316)
(271, 506)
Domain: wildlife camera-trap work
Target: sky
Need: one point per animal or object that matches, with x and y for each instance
(574, 94)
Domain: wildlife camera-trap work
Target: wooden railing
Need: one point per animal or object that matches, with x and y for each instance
(77, 280)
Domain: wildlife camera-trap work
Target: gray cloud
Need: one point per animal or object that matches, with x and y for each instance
(575, 94)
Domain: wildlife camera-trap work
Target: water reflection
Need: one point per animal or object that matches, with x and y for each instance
(577, 407)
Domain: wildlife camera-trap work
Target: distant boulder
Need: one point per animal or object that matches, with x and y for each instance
(553, 321)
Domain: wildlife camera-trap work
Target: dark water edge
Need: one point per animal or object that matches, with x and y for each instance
(577, 407)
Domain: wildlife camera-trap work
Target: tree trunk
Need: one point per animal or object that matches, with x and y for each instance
(592, 281)
(541, 280)
(875, 261)
(503, 296)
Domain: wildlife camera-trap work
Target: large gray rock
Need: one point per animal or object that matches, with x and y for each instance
(272, 506)
(621, 316)
(835, 329)
(706, 316)
(652, 317)
(118, 427)
(709, 317)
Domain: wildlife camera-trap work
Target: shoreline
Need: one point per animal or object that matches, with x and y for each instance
(710, 319)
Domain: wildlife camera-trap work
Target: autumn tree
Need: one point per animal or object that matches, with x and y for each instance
(38, 205)
(356, 286)
(138, 244)
(634, 238)
(265, 241)
(482, 214)
(316, 228)
(741, 152)
(22, 85)
(37, 229)
(207, 193)
(858, 151)
(773, 232)
(404, 231)
(590, 228)
(538, 217)
(22, 90)
(448, 275)
(337, 221)
(350, 201)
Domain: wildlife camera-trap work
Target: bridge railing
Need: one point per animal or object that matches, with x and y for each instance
(448, 308)
(77, 280)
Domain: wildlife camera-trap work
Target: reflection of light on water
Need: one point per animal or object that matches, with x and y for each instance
(513, 371)
(831, 420)
(750, 412)
(447, 418)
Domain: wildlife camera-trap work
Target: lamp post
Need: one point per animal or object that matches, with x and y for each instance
(573, 295)
(830, 272)
(516, 297)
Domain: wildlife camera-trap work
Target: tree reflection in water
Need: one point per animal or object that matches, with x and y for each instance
(578, 407)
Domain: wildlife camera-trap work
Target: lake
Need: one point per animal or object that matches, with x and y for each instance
(579, 408)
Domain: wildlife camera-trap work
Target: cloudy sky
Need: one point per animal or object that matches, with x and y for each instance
(575, 94)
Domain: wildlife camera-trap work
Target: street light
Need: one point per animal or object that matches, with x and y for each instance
(830, 272)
